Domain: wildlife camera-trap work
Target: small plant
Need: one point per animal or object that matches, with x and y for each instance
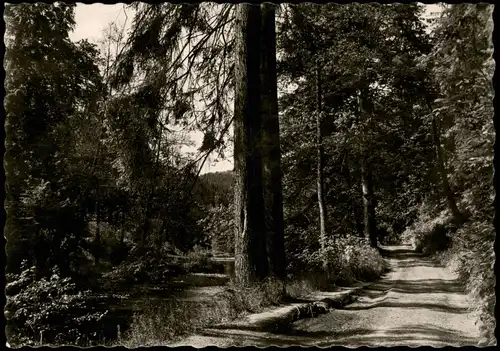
(300, 286)
(159, 323)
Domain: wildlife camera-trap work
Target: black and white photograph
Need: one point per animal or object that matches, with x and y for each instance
(249, 174)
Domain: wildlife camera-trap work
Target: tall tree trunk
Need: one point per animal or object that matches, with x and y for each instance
(250, 239)
(320, 165)
(369, 219)
(447, 192)
(271, 153)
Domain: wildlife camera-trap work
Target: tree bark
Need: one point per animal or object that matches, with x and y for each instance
(447, 192)
(369, 219)
(271, 153)
(320, 166)
(250, 240)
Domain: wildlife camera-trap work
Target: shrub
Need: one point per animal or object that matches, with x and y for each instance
(429, 235)
(387, 235)
(253, 299)
(350, 259)
(145, 270)
(49, 310)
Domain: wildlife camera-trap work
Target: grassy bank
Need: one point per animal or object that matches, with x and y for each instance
(162, 322)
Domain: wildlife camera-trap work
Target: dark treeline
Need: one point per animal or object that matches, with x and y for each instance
(382, 134)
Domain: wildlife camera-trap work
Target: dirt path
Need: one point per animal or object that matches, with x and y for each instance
(417, 303)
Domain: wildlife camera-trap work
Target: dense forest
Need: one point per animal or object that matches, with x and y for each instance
(352, 127)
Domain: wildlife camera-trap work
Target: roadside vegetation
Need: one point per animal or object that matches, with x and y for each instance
(382, 134)
(463, 238)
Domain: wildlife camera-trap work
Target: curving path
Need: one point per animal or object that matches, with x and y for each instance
(417, 303)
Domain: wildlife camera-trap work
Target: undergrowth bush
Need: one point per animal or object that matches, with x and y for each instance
(253, 299)
(159, 270)
(160, 321)
(387, 235)
(472, 256)
(350, 259)
(50, 311)
(429, 234)
(198, 261)
(304, 284)
(145, 270)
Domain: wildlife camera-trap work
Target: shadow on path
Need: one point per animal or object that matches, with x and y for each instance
(422, 333)
(416, 286)
(412, 305)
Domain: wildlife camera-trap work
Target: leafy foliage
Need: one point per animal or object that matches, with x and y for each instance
(50, 310)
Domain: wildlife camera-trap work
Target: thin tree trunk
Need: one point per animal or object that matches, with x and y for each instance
(146, 225)
(271, 153)
(250, 240)
(97, 239)
(357, 219)
(447, 192)
(97, 243)
(122, 229)
(320, 166)
(369, 219)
